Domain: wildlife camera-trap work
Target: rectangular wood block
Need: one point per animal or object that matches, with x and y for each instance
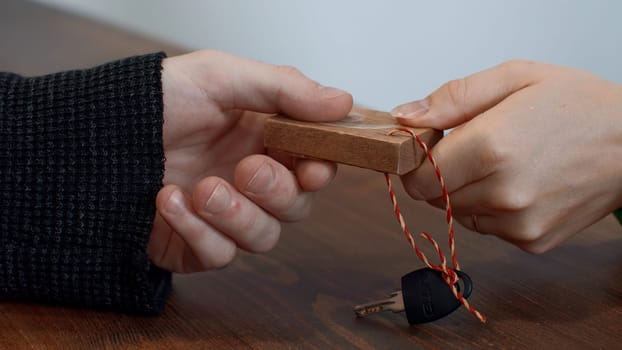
(361, 139)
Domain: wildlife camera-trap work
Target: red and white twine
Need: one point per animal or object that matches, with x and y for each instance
(449, 274)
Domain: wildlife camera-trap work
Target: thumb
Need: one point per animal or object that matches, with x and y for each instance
(238, 83)
(460, 100)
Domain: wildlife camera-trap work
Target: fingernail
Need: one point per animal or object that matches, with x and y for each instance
(330, 92)
(262, 181)
(175, 203)
(219, 201)
(412, 109)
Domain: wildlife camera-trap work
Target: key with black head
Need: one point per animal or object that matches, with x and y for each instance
(425, 297)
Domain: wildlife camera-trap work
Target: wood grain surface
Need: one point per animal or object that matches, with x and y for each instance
(361, 139)
(301, 294)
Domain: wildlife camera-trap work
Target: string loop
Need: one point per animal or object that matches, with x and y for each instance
(449, 273)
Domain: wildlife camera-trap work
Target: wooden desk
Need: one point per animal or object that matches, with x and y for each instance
(301, 294)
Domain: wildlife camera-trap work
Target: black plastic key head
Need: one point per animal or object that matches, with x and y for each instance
(428, 298)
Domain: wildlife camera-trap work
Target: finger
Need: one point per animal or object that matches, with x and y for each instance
(158, 240)
(477, 223)
(480, 197)
(460, 100)
(271, 186)
(249, 85)
(463, 156)
(314, 175)
(210, 247)
(227, 210)
(512, 228)
(484, 224)
(169, 251)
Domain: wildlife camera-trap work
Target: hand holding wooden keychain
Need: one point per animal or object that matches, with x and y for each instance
(374, 140)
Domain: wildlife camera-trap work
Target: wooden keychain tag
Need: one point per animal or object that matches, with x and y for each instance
(361, 139)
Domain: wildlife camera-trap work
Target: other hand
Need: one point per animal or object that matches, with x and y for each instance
(535, 153)
(222, 191)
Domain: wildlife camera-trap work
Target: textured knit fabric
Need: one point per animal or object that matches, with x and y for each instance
(81, 161)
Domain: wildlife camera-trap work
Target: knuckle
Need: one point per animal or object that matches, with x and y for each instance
(457, 91)
(525, 237)
(289, 70)
(250, 222)
(282, 94)
(534, 247)
(492, 152)
(513, 63)
(259, 233)
(516, 65)
(528, 234)
(509, 198)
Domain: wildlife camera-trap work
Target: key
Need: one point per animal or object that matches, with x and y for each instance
(395, 303)
(425, 297)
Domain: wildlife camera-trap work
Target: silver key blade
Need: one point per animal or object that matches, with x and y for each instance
(395, 303)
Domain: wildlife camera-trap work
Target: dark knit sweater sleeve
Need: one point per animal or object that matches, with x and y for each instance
(81, 162)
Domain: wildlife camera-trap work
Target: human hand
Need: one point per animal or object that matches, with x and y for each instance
(535, 156)
(221, 190)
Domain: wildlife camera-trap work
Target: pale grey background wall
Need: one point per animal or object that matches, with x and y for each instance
(384, 52)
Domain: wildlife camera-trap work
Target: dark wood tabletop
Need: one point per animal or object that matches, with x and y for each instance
(351, 250)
